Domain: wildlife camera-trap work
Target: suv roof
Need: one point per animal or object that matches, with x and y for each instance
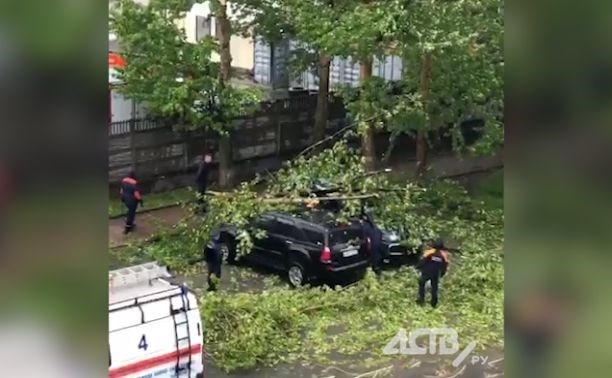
(319, 219)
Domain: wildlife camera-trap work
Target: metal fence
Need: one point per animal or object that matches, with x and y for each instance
(124, 127)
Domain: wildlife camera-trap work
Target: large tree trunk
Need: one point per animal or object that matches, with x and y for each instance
(322, 112)
(225, 145)
(421, 141)
(367, 138)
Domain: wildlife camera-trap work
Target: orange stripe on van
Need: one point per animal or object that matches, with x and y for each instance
(153, 362)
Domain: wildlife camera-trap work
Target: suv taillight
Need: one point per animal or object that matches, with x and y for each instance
(325, 257)
(369, 244)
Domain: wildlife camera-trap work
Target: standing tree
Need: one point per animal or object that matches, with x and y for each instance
(457, 47)
(453, 66)
(325, 28)
(177, 79)
(344, 28)
(364, 30)
(225, 33)
(304, 22)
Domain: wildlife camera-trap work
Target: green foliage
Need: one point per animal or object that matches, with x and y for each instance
(384, 105)
(282, 325)
(176, 79)
(464, 39)
(264, 19)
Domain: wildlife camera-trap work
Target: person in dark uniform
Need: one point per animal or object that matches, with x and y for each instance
(202, 177)
(433, 265)
(374, 236)
(131, 197)
(214, 259)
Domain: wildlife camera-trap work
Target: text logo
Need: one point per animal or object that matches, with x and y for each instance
(442, 341)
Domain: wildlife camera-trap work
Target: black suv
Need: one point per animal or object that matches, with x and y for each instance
(305, 246)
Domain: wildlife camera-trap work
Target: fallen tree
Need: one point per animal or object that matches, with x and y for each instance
(245, 330)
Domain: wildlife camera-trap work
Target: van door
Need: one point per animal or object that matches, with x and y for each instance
(157, 339)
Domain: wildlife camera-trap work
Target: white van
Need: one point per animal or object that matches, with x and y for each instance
(155, 329)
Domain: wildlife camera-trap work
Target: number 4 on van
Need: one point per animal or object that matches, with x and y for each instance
(143, 343)
(144, 302)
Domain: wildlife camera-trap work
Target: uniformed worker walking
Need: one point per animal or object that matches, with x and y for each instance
(374, 236)
(214, 259)
(432, 265)
(131, 197)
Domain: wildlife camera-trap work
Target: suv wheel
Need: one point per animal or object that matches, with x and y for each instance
(227, 252)
(296, 274)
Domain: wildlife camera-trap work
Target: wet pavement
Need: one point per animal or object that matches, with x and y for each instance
(402, 367)
(147, 224)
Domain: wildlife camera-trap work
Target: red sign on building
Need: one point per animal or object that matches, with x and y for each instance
(115, 60)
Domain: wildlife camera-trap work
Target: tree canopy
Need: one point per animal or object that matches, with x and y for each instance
(175, 78)
(461, 42)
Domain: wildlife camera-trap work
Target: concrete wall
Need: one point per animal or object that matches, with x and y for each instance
(259, 142)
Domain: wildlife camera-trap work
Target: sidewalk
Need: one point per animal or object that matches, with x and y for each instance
(146, 225)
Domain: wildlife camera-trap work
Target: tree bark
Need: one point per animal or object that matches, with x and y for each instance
(322, 111)
(367, 138)
(225, 32)
(225, 145)
(422, 147)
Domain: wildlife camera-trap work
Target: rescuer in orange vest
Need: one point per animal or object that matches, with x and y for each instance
(433, 265)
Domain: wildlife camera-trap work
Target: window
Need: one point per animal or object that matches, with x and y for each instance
(203, 27)
(345, 235)
(296, 233)
(286, 227)
(313, 236)
(266, 222)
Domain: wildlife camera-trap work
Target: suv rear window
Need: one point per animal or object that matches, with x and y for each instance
(313, 236)
(345, 235)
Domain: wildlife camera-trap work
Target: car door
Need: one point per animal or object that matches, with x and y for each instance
(282, 237)
(260, 253)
